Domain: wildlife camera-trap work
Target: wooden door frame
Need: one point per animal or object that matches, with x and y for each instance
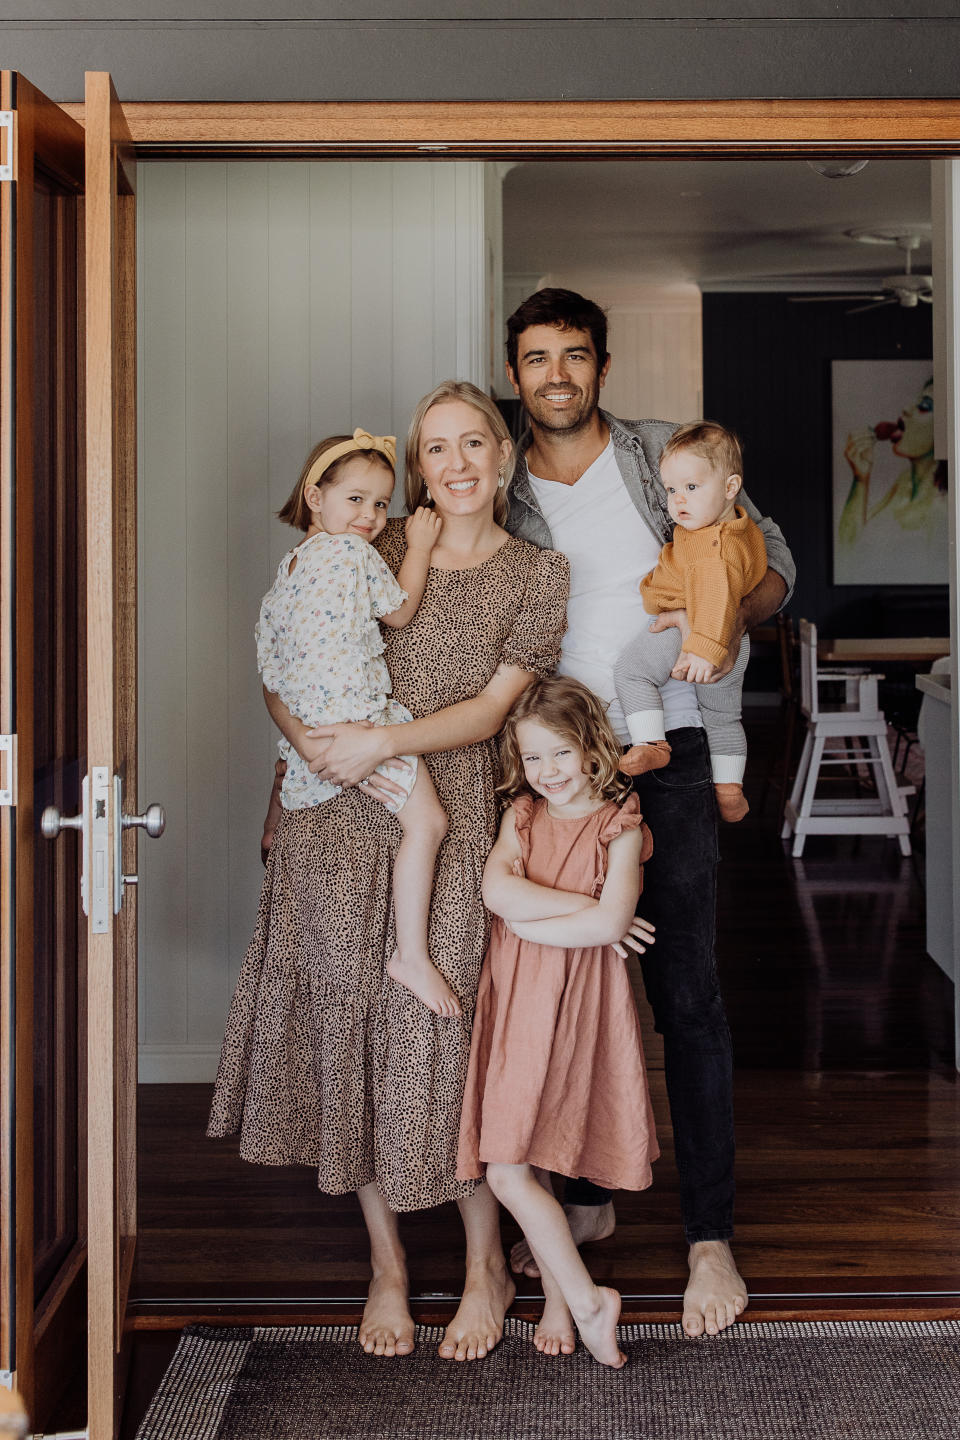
(44, 136)
(533, 129)
(111, 735)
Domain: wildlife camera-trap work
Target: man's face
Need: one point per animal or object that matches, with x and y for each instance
(557, 377)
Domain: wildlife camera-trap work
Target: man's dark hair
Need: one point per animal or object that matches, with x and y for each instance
(567, 311)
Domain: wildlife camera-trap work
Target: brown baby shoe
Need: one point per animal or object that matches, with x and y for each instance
(651, 755)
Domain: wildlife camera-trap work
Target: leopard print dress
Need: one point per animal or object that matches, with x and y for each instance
(326, 1061)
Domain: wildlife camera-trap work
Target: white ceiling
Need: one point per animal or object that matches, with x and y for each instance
(722, 224)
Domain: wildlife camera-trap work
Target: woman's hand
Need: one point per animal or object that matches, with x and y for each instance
(859, 451)
(311, 750)
(638, 937)
(353, 751)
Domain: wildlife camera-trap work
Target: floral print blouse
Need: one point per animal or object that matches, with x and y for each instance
(319, 646)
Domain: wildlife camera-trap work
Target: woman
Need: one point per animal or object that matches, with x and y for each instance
(915, 498)
(326, 1062)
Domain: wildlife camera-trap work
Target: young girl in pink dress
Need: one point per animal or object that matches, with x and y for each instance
(556, 1080)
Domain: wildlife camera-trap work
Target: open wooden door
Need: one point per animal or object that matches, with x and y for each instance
(42, 1142)
(111, 595)
(68, 753)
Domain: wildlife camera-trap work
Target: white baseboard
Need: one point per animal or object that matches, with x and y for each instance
(173, 1064)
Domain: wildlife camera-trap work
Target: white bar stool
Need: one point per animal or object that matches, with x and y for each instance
(857, 731)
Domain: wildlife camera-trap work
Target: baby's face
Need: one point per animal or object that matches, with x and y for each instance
(697, 493)
(356, 502)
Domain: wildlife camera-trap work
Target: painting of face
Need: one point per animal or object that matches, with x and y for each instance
(889, 494)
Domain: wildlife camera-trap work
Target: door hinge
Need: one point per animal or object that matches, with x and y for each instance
(6, 157)
(8, 770)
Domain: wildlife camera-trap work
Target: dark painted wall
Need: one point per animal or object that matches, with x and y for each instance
(767, 374)
(502, 50)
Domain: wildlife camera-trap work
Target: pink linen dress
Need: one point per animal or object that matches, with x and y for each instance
(556, 1076)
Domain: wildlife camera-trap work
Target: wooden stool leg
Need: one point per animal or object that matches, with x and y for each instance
(788, 824)
(887, 788)
(809, 790)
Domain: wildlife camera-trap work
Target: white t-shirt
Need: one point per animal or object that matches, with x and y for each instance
(610, 548)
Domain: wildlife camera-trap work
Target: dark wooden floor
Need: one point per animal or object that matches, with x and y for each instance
(847, 1106)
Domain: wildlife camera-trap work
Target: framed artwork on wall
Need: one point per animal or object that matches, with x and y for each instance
(889, 492)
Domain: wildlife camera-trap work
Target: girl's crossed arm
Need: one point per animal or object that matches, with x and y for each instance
(514, 898)
(606, 921)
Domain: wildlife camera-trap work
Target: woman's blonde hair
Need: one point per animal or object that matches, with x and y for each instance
(296, 511)
(414, 484)
(567, 707)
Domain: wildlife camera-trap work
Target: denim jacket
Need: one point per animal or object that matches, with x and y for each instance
(636, 446)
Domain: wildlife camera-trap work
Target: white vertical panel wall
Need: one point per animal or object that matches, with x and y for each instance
(278, 302)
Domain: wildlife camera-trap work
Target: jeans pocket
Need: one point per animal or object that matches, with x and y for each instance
(678, 781)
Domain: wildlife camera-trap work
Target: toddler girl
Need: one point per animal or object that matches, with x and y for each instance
(320, 649)
(717, 555)
(556, 1080)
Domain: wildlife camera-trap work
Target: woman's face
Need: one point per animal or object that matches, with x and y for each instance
(460, 458)
(916, 427)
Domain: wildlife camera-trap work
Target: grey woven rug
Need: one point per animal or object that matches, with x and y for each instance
(817, 1381)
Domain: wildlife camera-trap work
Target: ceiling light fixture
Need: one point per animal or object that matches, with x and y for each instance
(837, 169)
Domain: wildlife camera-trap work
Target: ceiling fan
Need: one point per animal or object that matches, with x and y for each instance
(906, 289)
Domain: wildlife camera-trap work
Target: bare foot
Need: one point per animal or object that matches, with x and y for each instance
(478, 1323)
(387, 1325)
(716, 1294)
(731, 801)
(598, 1331)
(650, 755)
(422, 978)
(587, 1223)
(554, 1334)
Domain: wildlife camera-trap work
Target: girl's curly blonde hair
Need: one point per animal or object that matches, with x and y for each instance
(567, 707)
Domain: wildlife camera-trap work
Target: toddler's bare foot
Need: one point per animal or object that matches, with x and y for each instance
(598, 1331)
(587, 1223)
(423, 979)
(387, 1325)
(652, 755)
(731, 801)
(478, 1324)
(554, 1334)
(716, 1294)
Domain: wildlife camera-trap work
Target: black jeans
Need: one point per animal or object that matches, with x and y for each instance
(680, 975)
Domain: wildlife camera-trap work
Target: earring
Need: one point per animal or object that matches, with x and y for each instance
(426, 491)
(501, 482)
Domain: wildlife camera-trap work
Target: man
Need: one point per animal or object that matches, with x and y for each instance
(588, 484)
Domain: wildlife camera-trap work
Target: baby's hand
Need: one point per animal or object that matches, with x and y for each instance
(423, 529)
(695, 670)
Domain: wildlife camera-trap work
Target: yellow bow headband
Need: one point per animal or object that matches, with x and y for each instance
(386, 445)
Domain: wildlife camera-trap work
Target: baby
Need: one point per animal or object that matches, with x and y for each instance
(717, 556)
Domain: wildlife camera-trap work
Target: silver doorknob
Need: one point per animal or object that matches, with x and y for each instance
(52, 822)
(153, 820)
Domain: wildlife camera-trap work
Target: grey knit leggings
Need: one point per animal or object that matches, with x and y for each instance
(644, 666)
